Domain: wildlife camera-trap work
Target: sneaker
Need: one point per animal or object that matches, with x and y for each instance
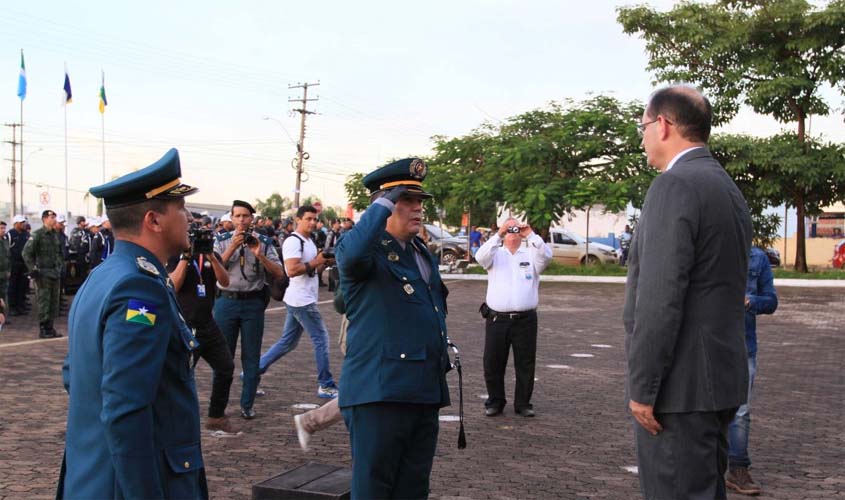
(303, 435)
(222, 426)
(247, 414)
(327, 392)
(260, 393)
(739, 480)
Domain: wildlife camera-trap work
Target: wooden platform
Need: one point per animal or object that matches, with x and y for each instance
(307, 481)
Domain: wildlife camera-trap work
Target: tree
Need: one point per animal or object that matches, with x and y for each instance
(460, 180)
(356, 193)
(775, 170)
(273, 206)
(565, 157)
(775, 56)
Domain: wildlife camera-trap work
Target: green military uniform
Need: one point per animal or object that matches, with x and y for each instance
(5, 267)
(43, 257)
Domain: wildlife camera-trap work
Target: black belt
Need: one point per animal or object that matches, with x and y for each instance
(496, 315)
(242, 295)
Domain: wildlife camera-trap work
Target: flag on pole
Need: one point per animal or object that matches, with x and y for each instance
(68, 93)
(103, 101)
(22, 80)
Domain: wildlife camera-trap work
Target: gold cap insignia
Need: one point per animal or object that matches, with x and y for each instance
(418, 168)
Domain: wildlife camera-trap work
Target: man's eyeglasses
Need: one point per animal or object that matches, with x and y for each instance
(641, 127)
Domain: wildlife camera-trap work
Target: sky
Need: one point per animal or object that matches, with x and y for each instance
(203, 76)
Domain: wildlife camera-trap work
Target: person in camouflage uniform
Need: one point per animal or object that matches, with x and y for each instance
(5, 262)
(44, 259)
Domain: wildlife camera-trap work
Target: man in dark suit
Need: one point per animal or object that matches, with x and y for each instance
(684, 305)
(394, 372)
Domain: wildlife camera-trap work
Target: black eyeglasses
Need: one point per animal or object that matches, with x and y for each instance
(641, 127)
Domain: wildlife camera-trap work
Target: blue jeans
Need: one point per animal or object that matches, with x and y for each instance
(741, 425)
(247, 318)
(299, 319)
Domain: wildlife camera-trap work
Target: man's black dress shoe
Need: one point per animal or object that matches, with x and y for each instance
(527, 412)
(492, 412)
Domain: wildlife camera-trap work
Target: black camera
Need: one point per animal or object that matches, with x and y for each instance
(328, 253)
(513, 229)
(249, 239)
(202, 240)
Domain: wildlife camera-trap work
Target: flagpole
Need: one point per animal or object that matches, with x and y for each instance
(67, 213)
(22, 212)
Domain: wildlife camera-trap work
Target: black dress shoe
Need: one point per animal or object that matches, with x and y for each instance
(527, 412)
(492, 412)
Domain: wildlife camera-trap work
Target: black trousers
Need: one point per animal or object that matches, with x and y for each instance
(688, 459)
(215, 351)
(500, 335)
(18, 286)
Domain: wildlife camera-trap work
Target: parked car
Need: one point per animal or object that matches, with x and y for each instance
(570, 248)
(839, 255)
(454, 248)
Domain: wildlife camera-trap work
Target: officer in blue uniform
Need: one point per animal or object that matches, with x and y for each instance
(133, 426)
(394, 372)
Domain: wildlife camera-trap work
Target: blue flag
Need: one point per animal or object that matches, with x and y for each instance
(68, 93)
(22, 80)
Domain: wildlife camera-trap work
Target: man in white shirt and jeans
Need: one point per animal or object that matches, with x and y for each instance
(302, 264)
(513, 270)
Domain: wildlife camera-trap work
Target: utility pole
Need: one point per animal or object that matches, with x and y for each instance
(300, 146)
(14, 142)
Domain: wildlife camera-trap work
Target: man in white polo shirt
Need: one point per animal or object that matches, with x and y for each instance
(514, 258)
(303, 263)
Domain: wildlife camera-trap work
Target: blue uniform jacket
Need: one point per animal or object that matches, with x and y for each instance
(133, 426)
(762, 297)
(396, 341)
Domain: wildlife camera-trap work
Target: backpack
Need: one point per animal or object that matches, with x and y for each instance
(278, 287)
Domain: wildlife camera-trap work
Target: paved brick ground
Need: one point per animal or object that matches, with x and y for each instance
(577, 447)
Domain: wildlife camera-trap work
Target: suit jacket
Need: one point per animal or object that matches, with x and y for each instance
(133, 425)
(396, 342)
(684, 303)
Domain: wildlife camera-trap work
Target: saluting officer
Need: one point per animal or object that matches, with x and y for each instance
(133, 425)
(44, 259)
(248, 257)
(394, 372)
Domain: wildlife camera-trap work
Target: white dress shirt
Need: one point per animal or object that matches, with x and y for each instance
(677, 156)
(513, 278)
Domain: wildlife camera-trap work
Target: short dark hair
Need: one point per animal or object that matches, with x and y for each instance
(2, 223)
(685, 107)
(80, 219)
(128, 219)
(305, 209)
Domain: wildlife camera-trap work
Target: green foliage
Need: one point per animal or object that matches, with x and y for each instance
(775, 56)
(356, 193)
(776, 170)
(273, 206)
(543, 163)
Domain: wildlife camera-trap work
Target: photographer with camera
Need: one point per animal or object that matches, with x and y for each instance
(195, 275)
(239, 309)
(303, 262)
(510, 312)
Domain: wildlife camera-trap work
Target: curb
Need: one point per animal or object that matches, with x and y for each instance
(792, 283)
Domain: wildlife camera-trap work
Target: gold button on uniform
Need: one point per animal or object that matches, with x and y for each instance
(187, 465)
(191, 343)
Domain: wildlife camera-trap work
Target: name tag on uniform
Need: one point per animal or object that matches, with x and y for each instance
(200, 290)
(526, 269)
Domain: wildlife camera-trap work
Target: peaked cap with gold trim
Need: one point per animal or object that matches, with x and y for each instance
(157, 181)
(408, 172)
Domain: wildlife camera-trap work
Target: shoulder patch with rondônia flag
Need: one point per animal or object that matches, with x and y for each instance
(141, 312)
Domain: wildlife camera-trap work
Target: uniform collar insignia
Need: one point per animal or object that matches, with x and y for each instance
(147, 266)
(393, 257)
(385, 242)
